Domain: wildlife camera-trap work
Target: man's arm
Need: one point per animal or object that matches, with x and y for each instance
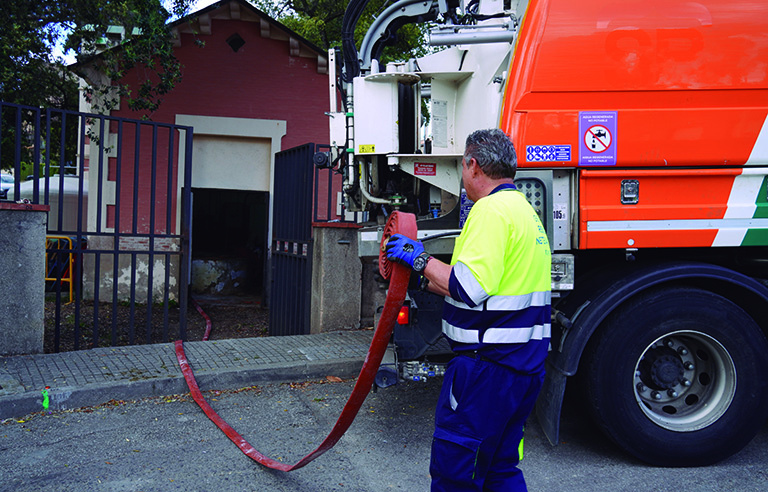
(405, 250)
(438, 274)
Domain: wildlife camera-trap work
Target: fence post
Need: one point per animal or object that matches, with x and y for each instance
(22, 259)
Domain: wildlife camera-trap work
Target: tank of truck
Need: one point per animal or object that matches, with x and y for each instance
(640, 83)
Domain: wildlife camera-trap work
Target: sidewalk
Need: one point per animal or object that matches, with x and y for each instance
(95, 376)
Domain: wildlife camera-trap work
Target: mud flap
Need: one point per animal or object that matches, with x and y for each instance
(550, 403)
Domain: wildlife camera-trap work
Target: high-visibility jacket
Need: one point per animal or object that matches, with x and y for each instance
(500, 283)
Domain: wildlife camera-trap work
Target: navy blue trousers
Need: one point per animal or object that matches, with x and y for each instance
(479, 425)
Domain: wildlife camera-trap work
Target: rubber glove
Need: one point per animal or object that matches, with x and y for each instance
(403, 249)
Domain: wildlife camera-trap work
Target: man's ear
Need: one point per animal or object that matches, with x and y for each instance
(473, 167)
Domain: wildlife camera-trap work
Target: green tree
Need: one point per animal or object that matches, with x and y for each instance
(32, 31)
(29, 73)
(320, 22)
(143, 40)
(34, 73)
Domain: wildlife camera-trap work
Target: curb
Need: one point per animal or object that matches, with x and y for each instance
(69, 397)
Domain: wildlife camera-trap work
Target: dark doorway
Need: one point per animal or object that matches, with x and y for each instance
(229, 241)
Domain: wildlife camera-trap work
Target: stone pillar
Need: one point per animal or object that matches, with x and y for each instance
(22, 266)
(336, 278)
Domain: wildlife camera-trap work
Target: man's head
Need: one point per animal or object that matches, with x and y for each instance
(493, 152)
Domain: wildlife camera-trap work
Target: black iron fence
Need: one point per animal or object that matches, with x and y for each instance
(117, 257)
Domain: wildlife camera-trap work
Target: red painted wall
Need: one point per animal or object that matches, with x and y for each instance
(260, 81)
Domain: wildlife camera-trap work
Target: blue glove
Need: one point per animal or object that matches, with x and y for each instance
(403, 250)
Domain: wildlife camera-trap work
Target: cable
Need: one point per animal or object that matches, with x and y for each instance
(439, 235)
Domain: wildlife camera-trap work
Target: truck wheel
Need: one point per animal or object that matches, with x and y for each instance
(676, 377)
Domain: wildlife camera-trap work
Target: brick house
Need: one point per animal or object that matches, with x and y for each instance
(250, 89)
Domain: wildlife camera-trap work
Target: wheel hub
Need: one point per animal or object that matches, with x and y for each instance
(662, 369)
(684, 381)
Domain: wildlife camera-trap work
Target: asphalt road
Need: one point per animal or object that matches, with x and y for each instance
(167, 444)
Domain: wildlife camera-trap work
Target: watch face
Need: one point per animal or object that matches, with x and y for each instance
(419, 263)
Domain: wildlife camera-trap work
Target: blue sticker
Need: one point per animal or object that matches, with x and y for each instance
(548, 153)
(597, 130)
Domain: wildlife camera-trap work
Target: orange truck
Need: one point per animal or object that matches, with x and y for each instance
(642, 137)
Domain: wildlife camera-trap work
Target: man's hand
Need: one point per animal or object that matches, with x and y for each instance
(403, 250)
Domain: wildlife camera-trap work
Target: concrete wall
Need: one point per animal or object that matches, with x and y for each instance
(129, 272)
(373, 293)
(336, 280)
(22, 266)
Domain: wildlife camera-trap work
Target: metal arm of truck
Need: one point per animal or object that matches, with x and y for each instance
(457, 24)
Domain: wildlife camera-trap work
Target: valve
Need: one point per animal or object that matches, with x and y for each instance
(322, 160)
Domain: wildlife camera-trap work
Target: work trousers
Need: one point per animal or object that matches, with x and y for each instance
(479, 426)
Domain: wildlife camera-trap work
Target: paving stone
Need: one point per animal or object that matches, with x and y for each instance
(91, 377)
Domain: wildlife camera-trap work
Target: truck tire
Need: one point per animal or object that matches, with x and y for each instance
(676, 377)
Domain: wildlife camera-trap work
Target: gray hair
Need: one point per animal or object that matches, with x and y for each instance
(494, 153)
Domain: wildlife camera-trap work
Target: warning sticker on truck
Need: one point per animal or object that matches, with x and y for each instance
(425, 169)
(366, 149)
(598, 138)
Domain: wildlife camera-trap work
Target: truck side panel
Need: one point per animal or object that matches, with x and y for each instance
(674, 208)
(719, 207)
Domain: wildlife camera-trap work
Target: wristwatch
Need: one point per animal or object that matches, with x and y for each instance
(420, 262)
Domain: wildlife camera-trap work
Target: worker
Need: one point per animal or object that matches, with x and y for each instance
(496, 316)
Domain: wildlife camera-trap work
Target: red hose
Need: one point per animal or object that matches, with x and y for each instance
(399, 275)
(207, 319)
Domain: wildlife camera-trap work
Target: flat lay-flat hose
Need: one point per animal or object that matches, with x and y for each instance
(398, 276)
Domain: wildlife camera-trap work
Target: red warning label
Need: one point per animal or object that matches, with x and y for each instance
(424, 169)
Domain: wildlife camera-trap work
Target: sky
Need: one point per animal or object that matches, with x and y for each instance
(200, 4)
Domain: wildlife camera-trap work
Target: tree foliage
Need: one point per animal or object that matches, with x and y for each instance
(143, 41)
(33, 72)
(31, 33)
(29, 74)
(320, 22)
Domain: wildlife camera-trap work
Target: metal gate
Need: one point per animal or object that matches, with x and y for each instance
(289, 312)
(117, 252)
